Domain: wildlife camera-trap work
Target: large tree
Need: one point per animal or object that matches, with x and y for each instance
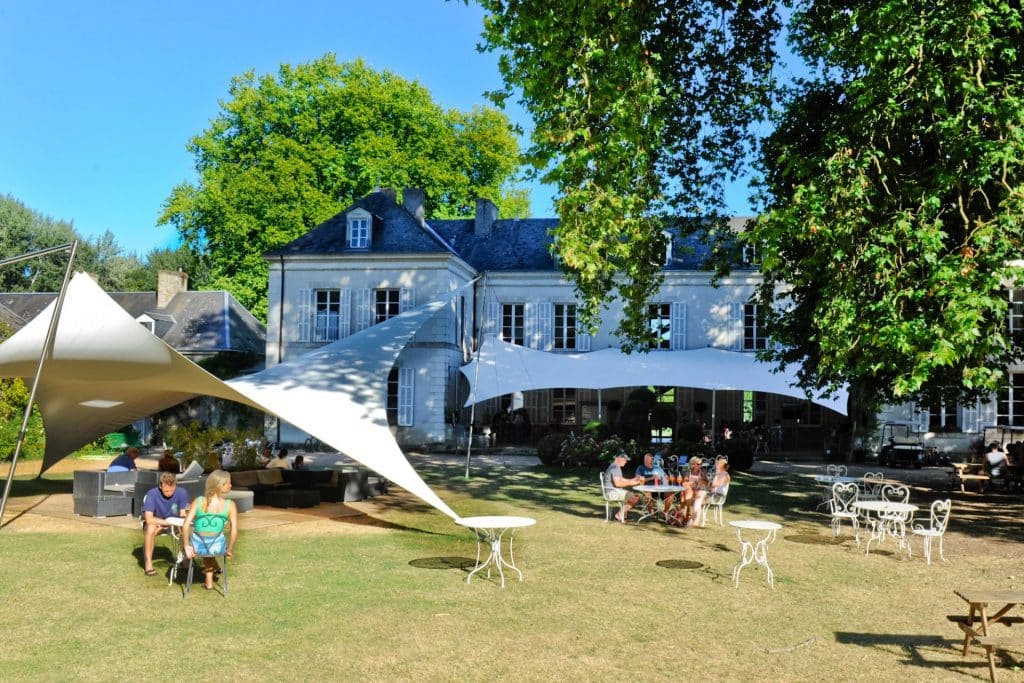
(641, 108)
(895, 196)
(291, 149)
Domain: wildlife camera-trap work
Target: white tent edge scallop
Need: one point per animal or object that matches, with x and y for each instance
(505, 368)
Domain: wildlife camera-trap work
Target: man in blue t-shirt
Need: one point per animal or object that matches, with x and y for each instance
(653, 474)
(162, 501)
(124, 462)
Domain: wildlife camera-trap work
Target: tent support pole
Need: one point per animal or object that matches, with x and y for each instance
(51, 333)
(714, 434)
(476, 381)
(599, 417)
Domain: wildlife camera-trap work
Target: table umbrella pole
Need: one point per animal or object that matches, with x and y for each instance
(51, 333)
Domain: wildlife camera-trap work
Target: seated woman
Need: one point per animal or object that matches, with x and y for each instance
(207, 516)
(720, 481)
(691, 500)
(168, 463)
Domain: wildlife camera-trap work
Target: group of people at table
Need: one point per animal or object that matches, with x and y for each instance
(682, 508)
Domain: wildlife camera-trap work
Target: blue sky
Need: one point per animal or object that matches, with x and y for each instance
(101, 98)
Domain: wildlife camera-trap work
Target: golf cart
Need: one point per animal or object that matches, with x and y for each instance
(901, 445)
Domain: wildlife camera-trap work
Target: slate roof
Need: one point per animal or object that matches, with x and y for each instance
(192, 322)
(511, 245)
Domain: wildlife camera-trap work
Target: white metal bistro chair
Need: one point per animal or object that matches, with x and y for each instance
(204, 549)
(174, 532)
(612, 495)
(871, 486)
(938, 520)
(835, 470)
(841, 507)
(716, 501)
(896, 521)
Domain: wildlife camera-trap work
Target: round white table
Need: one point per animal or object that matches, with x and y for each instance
(890, 520)
(658, 490)
(756, 551)
(491, 529)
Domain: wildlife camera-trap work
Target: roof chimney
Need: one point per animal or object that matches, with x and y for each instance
(169, 283)
(412, 200)
(486, 214)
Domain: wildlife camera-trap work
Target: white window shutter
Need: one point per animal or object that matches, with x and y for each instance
(305, 315)
(493, 322)
(406, 299)
(969, 417)
(986, 412)
(345, 314)
(924, 418)
(678, 328)
(406, 380)
(364, 309)
(539, 318)
(736, 325)
(582, 340)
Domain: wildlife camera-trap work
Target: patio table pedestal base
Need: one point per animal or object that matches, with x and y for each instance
(756, 551)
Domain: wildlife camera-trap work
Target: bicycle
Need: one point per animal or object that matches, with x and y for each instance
(312, 445)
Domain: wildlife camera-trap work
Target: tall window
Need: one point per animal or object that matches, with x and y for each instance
(1010, 402)
(563, 406)
(1017, 310)
(659, 326)
(565, 326)
(755, 407)
(358, 233)
(392, 398)
(512, 330)
(387, 304)
(753, 329)
(399, 399)
(327, 315)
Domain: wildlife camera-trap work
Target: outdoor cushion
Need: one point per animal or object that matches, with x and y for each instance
(245, 479)
(270, 477)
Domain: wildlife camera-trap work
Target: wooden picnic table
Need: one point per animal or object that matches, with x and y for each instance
(980, 601)
(969, 471)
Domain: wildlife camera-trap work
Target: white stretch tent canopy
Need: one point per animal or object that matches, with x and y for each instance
(107, 371)
(505, 368)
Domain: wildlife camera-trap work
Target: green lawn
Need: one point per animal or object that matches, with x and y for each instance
(600, 601)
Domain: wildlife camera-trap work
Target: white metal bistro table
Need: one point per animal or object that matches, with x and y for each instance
(658, 491)
(491, 529)
(176, 524)
(890, 520)
(754, 551)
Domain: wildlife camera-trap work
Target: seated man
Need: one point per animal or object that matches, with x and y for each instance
(280, 462)
(124, 462)
(654, 474)
(613, 477)
(162, 501)
(996, 461)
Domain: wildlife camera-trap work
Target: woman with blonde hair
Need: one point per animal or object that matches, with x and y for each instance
(207, 518)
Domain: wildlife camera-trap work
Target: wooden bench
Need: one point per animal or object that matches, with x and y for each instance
(993, 643)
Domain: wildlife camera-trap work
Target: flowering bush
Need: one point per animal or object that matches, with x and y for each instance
(586, 451)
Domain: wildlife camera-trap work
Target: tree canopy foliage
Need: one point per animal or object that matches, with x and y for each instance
(640, 108)
(894, 183)
(24, 230)
(289, 150)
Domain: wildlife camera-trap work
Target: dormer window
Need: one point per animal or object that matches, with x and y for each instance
(358, 230)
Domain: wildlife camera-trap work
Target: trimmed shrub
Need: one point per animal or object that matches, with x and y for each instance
(549, 447)
(740, 452)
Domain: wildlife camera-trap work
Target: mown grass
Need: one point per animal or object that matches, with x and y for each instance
(600, 601)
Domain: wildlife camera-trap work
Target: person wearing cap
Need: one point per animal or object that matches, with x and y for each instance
(613, 475)
(652, 473)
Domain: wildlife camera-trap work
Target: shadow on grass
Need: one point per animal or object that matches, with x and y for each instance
(679, 564)
(916, 648)
(460, 563)
(24, 487)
